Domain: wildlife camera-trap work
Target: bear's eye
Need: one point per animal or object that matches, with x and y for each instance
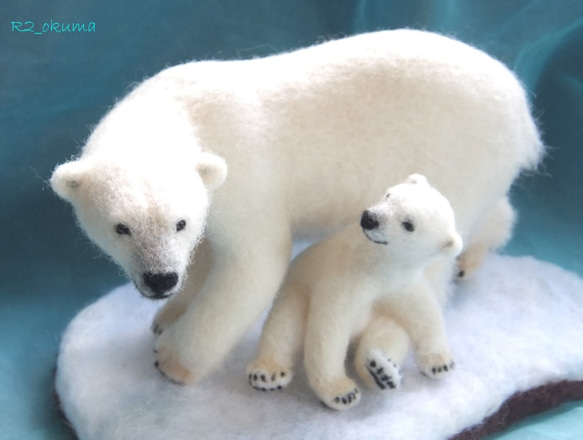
(122, 229)
(388, 195)
(180, 225)
(408, 225)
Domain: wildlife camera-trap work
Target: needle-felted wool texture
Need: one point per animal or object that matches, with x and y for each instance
(309, 138)
(514, 327)
(55, 87)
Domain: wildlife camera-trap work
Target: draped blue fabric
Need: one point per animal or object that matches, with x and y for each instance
(56, 82)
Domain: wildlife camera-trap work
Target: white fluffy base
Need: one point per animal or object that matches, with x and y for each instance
(516, 325)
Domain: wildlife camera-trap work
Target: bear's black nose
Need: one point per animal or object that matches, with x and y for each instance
(368, 221)
(160, 283)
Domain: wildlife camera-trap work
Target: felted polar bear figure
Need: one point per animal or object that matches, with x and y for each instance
(380, 289)
(309, 138)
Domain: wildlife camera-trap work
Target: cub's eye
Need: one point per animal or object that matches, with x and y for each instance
(122, 229)
(180, 225)
(408, 225)
(388, 195)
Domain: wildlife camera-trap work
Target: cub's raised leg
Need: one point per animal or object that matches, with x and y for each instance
(381, 350)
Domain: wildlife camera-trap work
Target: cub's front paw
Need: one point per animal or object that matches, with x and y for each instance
(168, 361)
(384, 371)
(340, 395)
(435, 366)
(267, 377)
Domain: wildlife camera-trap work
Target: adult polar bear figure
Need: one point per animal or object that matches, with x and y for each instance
(310, 138)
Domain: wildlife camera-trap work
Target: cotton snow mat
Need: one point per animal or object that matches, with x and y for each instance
(515, 328)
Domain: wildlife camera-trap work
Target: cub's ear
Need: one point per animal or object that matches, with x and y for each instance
(453, 245)
(67, 178)
(212, 170)
(417, 179)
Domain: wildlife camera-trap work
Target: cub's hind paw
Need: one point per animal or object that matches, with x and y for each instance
(267, 379)
(384, 371)
(337, 394)
(438, 371)
(345, 400)
(435, 366)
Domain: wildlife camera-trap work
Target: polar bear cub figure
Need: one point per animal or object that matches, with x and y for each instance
(380, 288)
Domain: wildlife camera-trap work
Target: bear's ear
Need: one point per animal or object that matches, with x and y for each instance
(417, 179)
(67, 178)
(453, 245)
(212, 170)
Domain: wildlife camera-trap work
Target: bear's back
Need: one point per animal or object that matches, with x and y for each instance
(333, 125)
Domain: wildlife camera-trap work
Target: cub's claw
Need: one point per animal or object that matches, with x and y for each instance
(436, 366)
(268, 377)
(383, 370)
(345, 400)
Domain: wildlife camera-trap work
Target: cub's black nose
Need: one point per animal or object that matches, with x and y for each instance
(160, 283)
(368, 221)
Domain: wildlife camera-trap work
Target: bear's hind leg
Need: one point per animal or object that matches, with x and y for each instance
(281, 342)
(381, 350)
(493, 233)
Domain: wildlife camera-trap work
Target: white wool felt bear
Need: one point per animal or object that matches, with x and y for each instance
(309, 137)
(381, 287)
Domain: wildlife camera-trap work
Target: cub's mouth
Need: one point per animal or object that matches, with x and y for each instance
(371, 236)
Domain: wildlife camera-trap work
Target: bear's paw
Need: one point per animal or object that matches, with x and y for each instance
(168, 362)
(340, 395)
(269, 378)
(435, 365)
(383, 370)
(167, 316)
(470, 261)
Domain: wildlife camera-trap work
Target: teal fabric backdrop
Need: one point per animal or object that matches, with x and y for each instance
(55, 85)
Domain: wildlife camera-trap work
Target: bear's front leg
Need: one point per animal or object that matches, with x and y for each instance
(329, 330)
(237, 290)
(177, 305)
(168, 359)
(420, 314)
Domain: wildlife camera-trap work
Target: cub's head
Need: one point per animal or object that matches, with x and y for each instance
(414, 220)
(148, 218)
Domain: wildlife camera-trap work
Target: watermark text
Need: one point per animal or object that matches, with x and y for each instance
(51, 26)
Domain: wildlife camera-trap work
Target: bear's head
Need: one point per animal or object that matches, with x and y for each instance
(413, 220)
(148, 218)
